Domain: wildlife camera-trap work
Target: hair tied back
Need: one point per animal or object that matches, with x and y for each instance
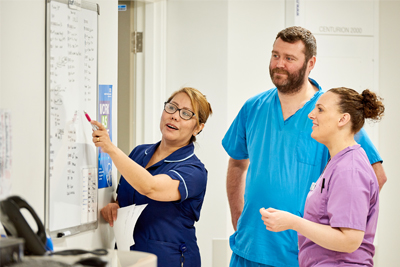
(373, 107)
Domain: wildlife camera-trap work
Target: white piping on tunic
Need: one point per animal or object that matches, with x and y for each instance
(179, 160)
(187, 193)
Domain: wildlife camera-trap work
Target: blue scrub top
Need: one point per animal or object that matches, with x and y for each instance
(284, 161)
(164, 226)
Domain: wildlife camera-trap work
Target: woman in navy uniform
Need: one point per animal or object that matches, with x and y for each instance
(168, 177)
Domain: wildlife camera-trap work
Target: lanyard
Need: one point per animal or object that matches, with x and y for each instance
(182, 248)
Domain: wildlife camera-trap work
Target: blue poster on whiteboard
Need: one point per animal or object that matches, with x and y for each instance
(105, 107)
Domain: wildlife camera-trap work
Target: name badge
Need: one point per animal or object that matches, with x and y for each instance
(312, 187)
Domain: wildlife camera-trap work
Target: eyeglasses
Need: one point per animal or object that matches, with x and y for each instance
(183, 113)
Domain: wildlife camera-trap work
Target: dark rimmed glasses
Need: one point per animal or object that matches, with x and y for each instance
(183, 113)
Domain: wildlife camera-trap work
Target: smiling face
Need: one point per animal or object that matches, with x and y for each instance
(327, 120)
(288, 67)
(175, 130)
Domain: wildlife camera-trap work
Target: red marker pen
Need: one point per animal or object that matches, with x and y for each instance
(94, 127)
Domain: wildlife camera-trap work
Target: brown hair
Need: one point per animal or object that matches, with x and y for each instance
(366, 105)
(296, 33)
(199, 102)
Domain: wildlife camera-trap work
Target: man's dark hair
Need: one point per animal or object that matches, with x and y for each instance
(296, 33)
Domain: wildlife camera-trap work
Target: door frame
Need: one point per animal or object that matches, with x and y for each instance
(150, 74)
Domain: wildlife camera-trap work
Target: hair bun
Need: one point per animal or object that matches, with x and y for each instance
(373, 107)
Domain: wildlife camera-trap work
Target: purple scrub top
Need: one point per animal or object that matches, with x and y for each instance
(345, 195)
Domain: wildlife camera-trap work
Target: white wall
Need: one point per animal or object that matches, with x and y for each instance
(197, 56)
(22, 91)
(388, 246)
(252, 29)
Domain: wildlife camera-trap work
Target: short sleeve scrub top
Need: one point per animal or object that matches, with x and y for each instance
(166, 229)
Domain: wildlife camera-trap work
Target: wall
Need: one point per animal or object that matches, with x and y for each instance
(22, 72)
(389, 215)
(249, 48)
(22, 91)
(197, 56)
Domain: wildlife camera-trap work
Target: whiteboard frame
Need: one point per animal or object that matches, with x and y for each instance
(82, 227)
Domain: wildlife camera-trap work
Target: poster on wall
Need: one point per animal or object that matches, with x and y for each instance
(105, 107)
(5, 153)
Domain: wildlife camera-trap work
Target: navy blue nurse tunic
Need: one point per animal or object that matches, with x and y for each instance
(163, 227)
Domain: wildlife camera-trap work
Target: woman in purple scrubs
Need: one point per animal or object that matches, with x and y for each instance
(168, 177)
(341, 210)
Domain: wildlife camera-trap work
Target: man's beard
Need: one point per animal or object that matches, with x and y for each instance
(292, 84)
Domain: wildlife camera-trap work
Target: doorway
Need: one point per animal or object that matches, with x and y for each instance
(126, 76)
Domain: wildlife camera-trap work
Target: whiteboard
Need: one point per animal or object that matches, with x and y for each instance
(71, 89)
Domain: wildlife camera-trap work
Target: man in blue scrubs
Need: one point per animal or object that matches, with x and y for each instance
(273, 159)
